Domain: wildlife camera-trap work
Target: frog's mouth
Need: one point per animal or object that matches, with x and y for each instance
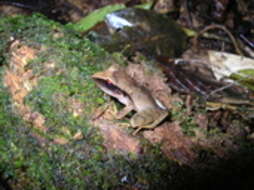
(109, 88)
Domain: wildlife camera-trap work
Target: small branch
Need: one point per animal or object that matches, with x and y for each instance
(216, 26)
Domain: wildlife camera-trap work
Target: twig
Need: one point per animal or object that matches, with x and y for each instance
(216, 26)
(220, 89)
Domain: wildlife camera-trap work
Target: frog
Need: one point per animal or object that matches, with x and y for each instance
(116, 82)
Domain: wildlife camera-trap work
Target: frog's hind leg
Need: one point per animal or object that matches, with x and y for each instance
(159, 119)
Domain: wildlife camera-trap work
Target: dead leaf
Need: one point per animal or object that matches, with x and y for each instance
(225, 64)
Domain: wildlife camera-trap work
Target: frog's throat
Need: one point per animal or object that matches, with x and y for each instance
(113, 91)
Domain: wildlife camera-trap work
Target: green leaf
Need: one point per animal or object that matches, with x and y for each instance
(146, 6)
(95, 17)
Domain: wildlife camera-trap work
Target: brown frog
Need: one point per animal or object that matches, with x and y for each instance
(117, 83)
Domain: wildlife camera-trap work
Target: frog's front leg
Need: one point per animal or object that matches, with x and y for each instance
(109, 111)
(122, 113)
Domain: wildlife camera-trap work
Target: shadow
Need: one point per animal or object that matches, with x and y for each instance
(4, 184)
(235, 172)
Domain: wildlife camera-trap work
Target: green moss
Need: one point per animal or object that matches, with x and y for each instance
(18, 148)
(187, 122)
